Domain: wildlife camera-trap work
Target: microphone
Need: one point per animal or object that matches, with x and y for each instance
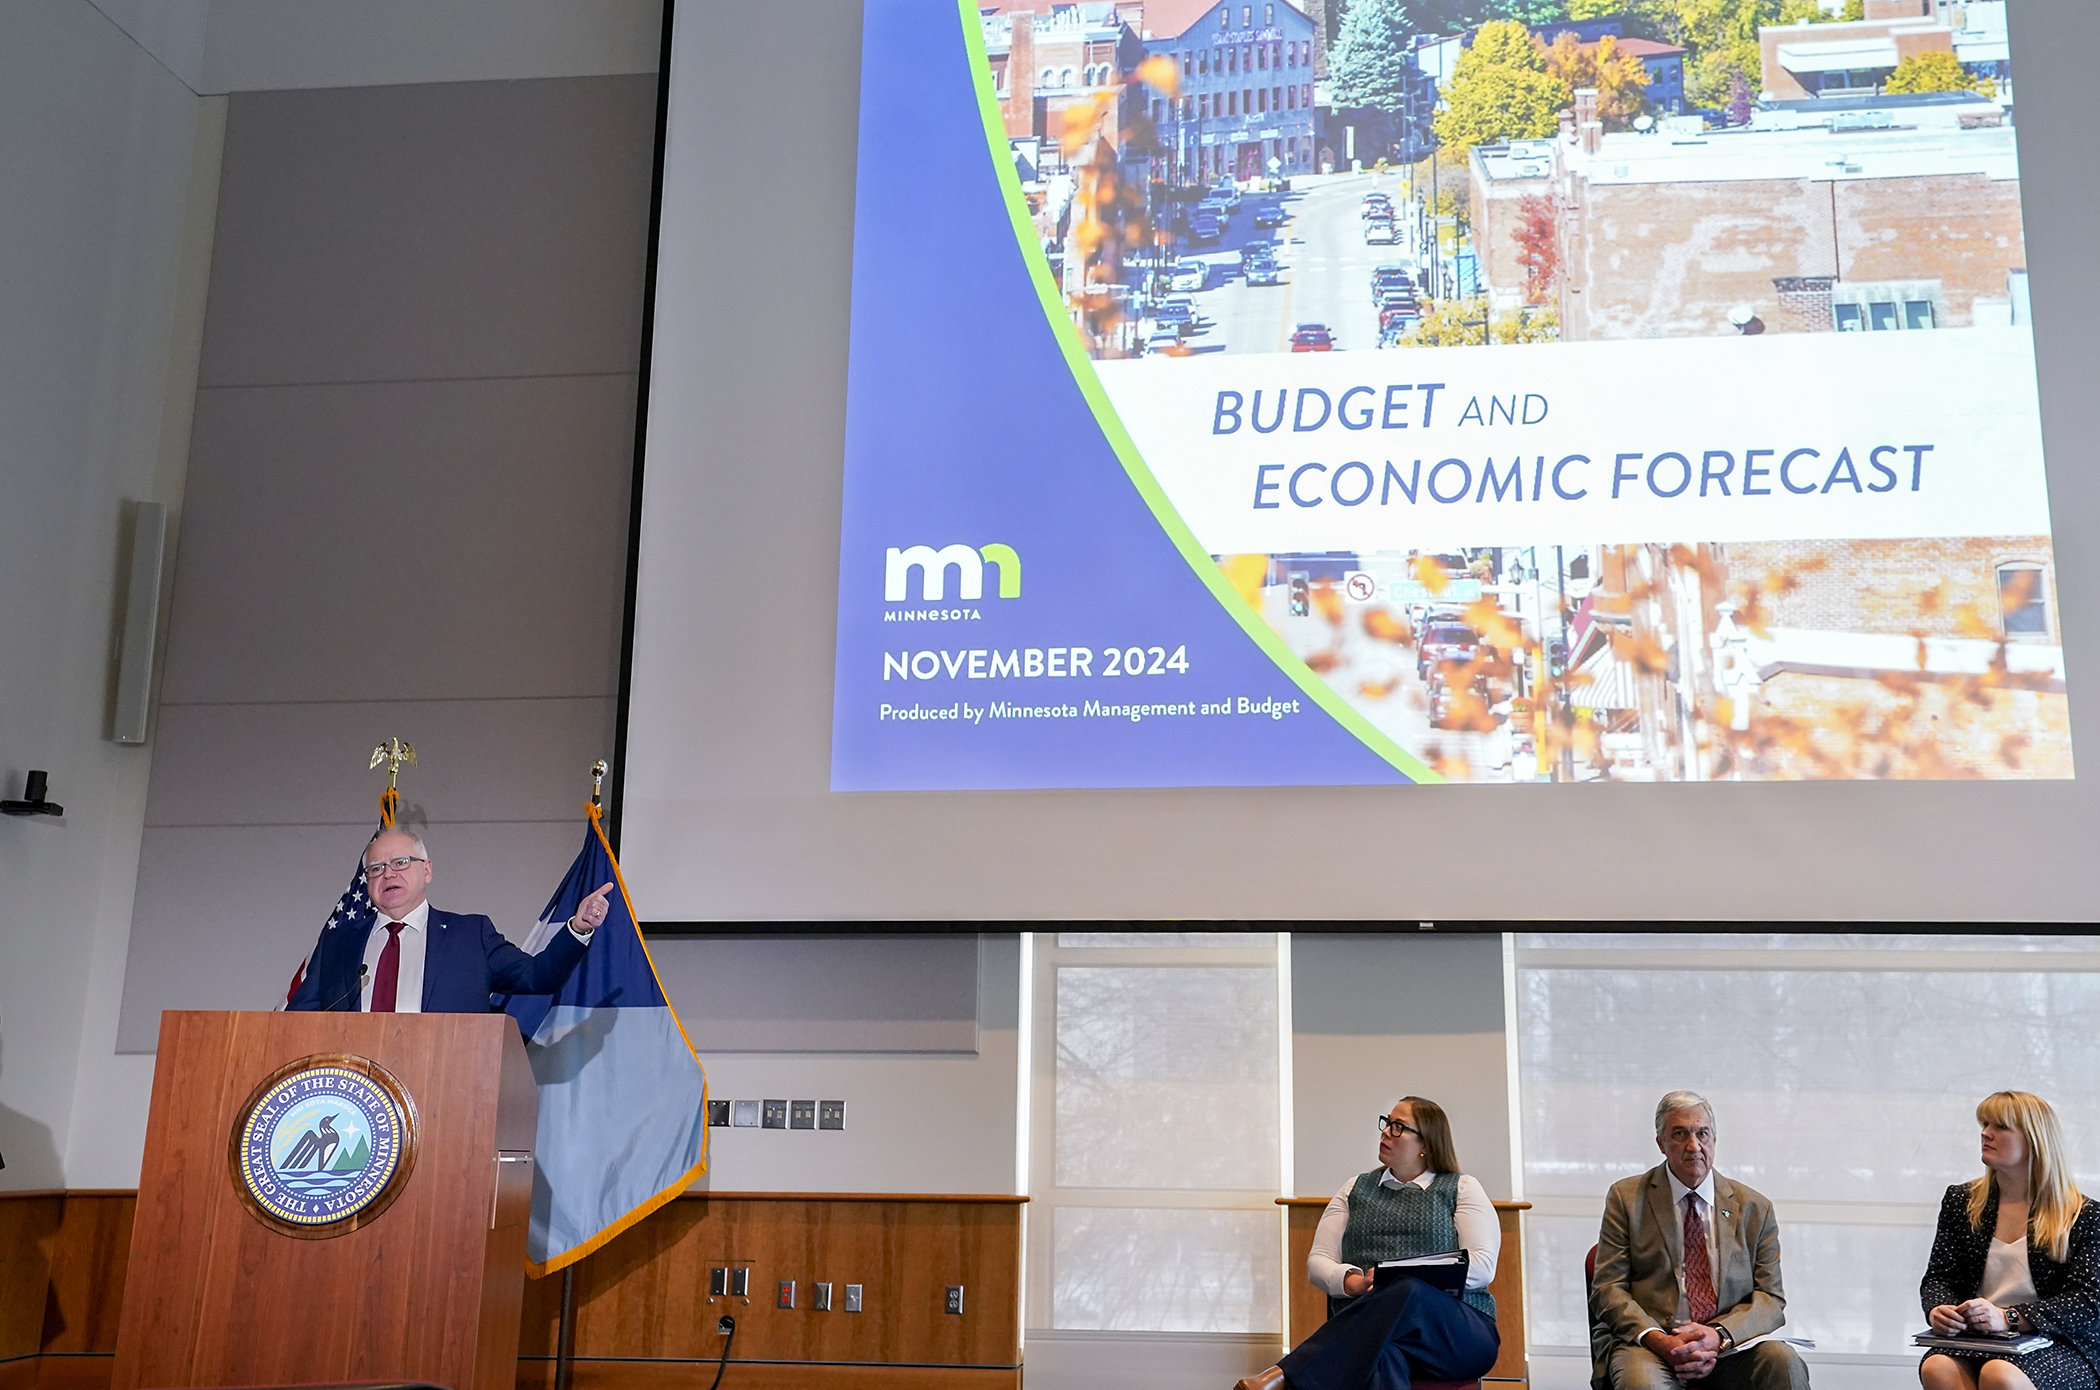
(362, 971)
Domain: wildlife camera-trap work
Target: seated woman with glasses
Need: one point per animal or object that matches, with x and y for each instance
(2017, 1249)
(1415, 1202)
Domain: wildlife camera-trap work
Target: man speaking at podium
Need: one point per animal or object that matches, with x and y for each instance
(410, 958)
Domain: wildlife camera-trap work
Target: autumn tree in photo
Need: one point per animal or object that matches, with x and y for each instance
(1936, 72)
(1720, 37)
(1470, 323)
(1538, 246)
(1499, 91)
(1620, 78)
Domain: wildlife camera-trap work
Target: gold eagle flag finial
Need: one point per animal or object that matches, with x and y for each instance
(393, 753)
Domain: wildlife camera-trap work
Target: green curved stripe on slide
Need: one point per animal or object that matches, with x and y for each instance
(1119, 439)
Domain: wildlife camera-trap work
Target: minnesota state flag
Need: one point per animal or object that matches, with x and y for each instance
(623, 1097)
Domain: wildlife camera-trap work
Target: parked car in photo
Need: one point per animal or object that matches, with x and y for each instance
(1163, 342)
(1444, 644)
(1387, 278)
(1203, 230)
(1376, 205)
(1381, 231)
(1179, 317)
(1271, 215)
(1263, 270)
(1312, 337)
(1186, 277)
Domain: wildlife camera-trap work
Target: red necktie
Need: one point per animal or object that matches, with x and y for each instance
(1698, 1271)
(387, 981)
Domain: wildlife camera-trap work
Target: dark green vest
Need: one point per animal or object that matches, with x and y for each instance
(1396, 1223)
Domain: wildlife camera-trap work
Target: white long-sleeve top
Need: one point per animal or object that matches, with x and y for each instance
(1479, 1234)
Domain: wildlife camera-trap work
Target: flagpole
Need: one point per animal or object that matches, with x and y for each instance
(565, 1338)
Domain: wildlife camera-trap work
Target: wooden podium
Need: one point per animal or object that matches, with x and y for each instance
(235, 1283)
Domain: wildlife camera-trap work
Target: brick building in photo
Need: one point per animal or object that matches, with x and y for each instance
(1044, 57)
(1906, 216)
(1822, 60)
(1933, 657)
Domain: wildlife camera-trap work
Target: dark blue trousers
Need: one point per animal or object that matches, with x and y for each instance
(1388, 1339)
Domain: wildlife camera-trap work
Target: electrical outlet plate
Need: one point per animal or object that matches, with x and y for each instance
(740, 1283)
(718, 1114)
(744, 1114)
(718, 1281)
(776, 1115)
(785, 1298)
(954, 1304)
(853, 1298)
(831, 1114)
(820, 1297)
(802, 1114)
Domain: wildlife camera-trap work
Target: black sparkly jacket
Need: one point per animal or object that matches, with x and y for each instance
(2066, 1305)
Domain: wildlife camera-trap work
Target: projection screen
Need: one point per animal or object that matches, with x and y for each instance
(1091, 469)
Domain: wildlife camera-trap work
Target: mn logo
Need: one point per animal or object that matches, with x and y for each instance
(323, 1145)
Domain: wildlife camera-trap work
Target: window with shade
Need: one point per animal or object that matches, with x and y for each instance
(1156, 1134)
(1844, 1071)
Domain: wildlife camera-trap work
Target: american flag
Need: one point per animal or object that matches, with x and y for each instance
(353, 907)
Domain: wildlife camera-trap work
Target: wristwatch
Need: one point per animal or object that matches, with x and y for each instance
(1727, 1337)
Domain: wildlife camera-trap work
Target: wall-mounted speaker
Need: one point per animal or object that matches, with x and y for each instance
(149, 540)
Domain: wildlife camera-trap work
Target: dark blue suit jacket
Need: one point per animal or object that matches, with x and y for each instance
(465, 960)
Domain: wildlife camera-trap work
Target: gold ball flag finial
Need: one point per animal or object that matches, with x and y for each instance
(598, 770)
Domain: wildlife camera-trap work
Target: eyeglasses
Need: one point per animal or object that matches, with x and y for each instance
(399, 864)
(1388, 1125)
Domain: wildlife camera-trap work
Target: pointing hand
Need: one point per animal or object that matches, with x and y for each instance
(591, 911)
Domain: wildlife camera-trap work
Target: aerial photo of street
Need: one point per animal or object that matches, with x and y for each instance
(1248, 179)
(1307, 256)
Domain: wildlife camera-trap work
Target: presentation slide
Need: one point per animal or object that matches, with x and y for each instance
(1576, 421)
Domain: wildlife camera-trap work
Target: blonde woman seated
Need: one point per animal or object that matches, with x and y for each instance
(1415, 1202)
(2019, 1249)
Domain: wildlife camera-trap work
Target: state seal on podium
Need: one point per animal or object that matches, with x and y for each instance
(323, 1145)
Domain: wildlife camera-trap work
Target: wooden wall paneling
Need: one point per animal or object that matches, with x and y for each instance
(28, 1221)
(766, 1375)
(645, 1295)
(74, 1371)
(1507, 1286)
(1308, 1306)
(89, 1252)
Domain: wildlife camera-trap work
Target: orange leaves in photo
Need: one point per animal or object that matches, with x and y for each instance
(1496, 627)
(1246, 574)
(1383, 626)
(1161, 73)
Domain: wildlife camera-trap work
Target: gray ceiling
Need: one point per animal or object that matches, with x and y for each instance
(216, 46)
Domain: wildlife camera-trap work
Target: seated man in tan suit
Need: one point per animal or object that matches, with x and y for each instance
(1687, 1271)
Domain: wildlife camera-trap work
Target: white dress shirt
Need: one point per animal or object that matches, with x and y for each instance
(1704, 1195)
(1479, 1234)
(408, 991)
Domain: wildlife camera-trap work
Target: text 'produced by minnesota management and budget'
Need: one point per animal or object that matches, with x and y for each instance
(963, 712)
